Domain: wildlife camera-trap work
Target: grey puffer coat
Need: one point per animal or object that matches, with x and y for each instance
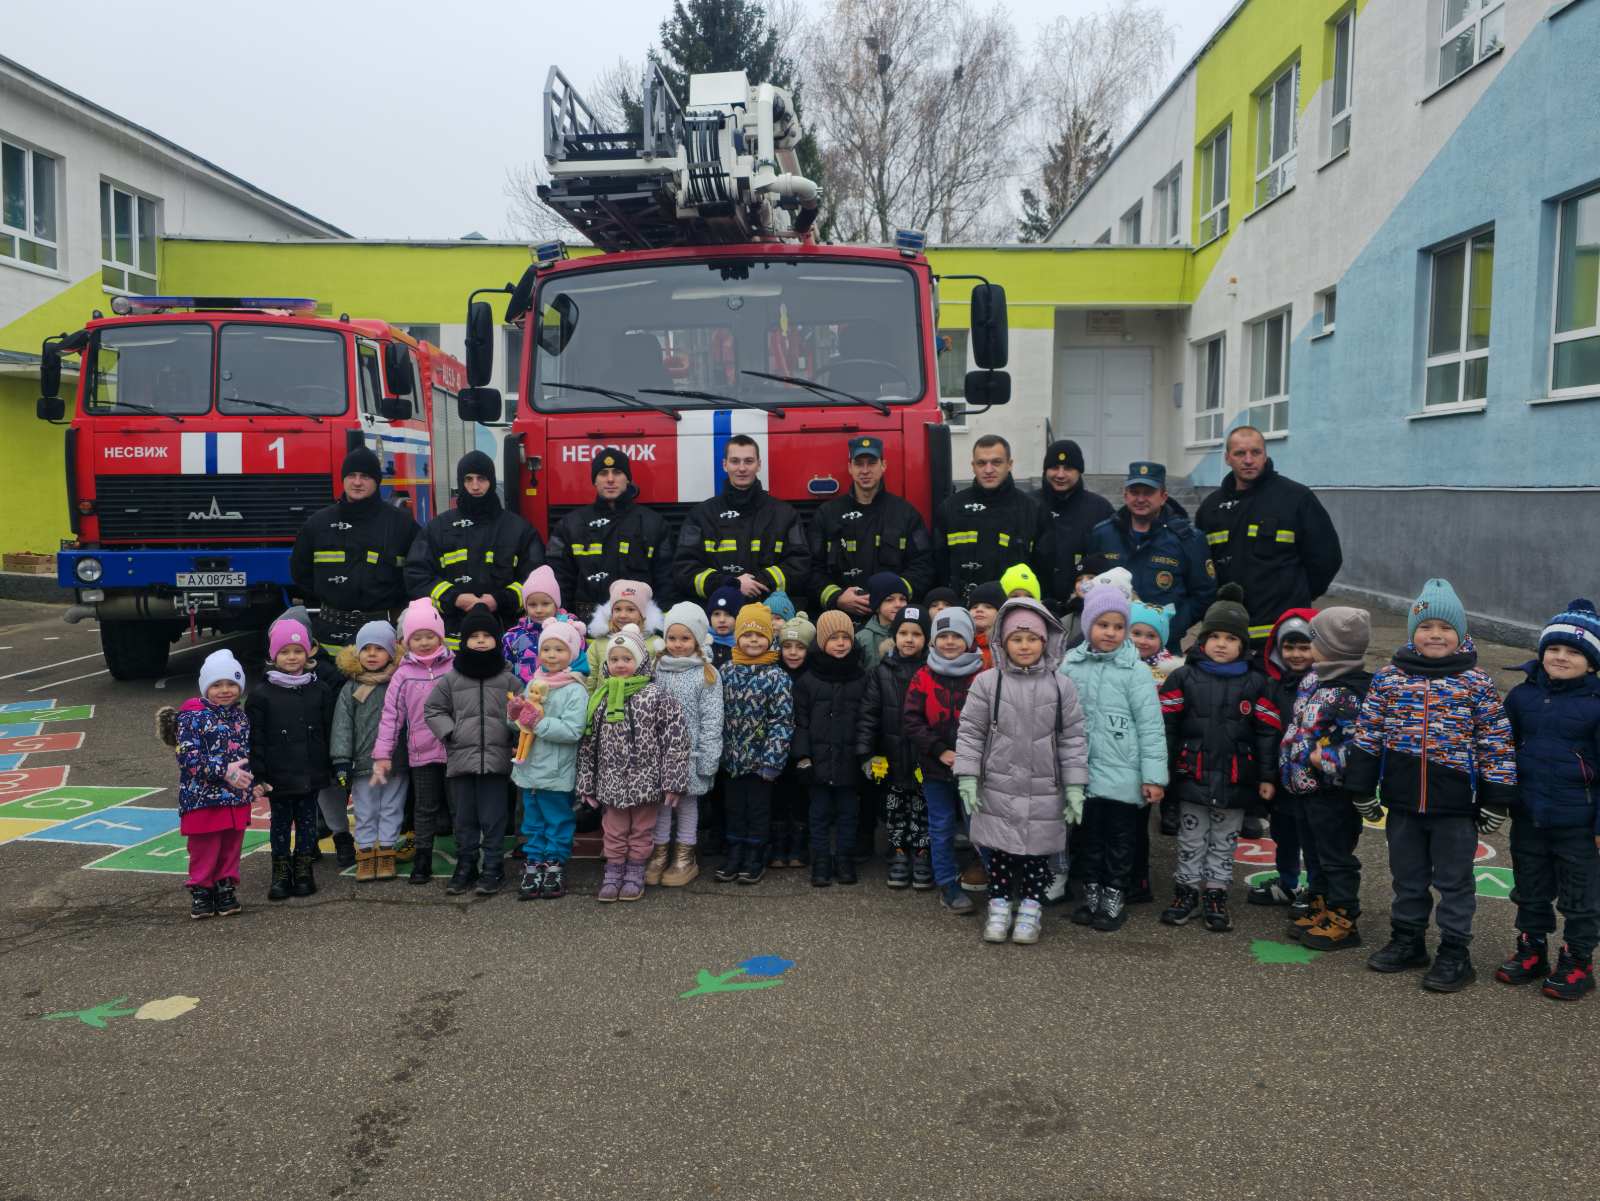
(469, 717)
(1022, 735)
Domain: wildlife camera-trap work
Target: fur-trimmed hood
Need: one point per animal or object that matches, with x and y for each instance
(600, 623)
(348, 661)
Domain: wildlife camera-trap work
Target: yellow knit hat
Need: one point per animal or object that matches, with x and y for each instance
(754, 617)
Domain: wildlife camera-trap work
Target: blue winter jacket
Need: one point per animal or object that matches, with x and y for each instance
(1170, 565)
(1555, 725)
(552, 764)
(1127, 736)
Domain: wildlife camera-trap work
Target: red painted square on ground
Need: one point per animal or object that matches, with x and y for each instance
(40, 743)
(260, 815)
(24, 782)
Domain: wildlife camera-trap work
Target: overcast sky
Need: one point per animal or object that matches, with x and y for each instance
(392, 120)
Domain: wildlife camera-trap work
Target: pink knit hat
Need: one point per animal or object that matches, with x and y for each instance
(542, 580)
(421, 615)
(1102, 599)
(562, 631)
(286, 632)
(1021, 617)
(636, 591)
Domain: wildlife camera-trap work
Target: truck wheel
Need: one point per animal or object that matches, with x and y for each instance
(135, 650)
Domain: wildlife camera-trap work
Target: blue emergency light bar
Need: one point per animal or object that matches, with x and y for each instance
(300, 306)
(549, 252)
(910, 241)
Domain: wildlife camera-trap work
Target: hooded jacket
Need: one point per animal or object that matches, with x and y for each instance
(469, 717)
(851, 542)
(208, 738)
(1283, 685)
(359, 711)
(609, 540)
(1222, 733)
(289, 732)
(701, 701)
(758, 718)
(1022, 736)
(1323, 718)
(1070, 519)
(979, 532)
(1555, 725)
(636, 761)
(827, 712)
(737, 531)
(882, 729)
(552, 765)
(351, 556)
(403, 716)
(1127, 738)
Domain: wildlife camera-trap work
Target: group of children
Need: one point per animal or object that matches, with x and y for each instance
(995, 721)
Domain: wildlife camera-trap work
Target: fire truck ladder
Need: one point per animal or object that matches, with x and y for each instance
(721, 170)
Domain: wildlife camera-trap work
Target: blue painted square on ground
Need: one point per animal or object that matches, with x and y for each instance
(24, 729)
(24, 706)
(120, 826)
(11, 762)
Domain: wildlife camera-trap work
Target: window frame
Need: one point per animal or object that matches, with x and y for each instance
(1328, 300)
(1208, 157)
(1474, 21)
(25, 233)
(1258, 331)
(1461, 356)
(109, 190)
(1208, 408)
(1282, 165)
(1558, 337)
(1342, 116)
(1166, 206)
(1132, 222)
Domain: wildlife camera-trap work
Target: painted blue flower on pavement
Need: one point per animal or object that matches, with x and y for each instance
(766, 965)
(757, 972)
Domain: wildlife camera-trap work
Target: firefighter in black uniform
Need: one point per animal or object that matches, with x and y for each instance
(615, 537)
(743, 537)
(1071, 512)
(349, 558)
(476, 553)
(868, 530)
(986, 527)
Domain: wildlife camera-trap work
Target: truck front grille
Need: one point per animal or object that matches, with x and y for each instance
(206, 508)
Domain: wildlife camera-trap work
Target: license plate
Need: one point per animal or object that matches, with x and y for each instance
(212, 579)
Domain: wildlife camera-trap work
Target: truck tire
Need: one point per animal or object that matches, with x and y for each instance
(135, 650)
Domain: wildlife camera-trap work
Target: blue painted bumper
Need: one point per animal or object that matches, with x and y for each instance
(124, 570)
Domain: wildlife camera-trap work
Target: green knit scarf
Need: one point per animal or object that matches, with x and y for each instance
(614, 691)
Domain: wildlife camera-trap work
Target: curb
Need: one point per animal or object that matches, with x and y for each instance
(40, 589)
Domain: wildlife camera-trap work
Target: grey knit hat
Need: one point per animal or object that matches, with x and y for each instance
(1342, 632)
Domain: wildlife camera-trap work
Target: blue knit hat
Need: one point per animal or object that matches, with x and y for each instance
(1437, 602)
(1157, 617)
(1577, 627)
(780, 604)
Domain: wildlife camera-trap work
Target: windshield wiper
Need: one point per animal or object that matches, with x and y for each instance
(821, 390)
(141, 408)
(613, 394)
(271, 405)
(732, 400)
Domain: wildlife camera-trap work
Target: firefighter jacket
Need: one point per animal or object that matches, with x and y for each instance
(979, 532)
(610, 540)
(851, 542)
(1168, 563)
(478, 549)
(1275, 540)
(351, 557)
(737, 531)
(1070, 518)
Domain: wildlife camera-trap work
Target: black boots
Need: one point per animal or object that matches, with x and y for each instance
(305, 884)
(464, 877)
(1406, 949)
(844, 866)
(1529, 962)
(1573, 977)
(201, 902)
(754, 865)
(1184, 902)
(1452, 969)
(422, 864)
(344, 850)
(227, 900)
(732, 863)
(492, 881)
(282, 879)
(821, 869)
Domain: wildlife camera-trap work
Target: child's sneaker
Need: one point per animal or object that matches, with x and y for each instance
(1216, 915)
(1452, 969)
(1336, 931)
(1083, 915)
(1529, 962)
(491, 882)
(555, 882)
(1572, 978)
(1406, 949)
(1030, 916)
(998, 925)
(1270, 892)
(755, 866)
(201, 903)
(532, 886)
(462, 879)
(899, 869)
(955, 900)
(226, 899)
(1184, 902)
(1111, 913)
(633, 881)
(921, 870)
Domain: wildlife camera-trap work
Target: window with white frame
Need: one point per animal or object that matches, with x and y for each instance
(1269, 373)
(953, 363)
(1575, 349)
(1209, 361)
(28, 219)
(1131, 225)
(1167, 213)
(513, 360)
(127, 240)
(1104, 239)
(1277, 124)
(1471, 31)
(1344, 65)
(1461, 282)
(1327, 308)
(1213, 194)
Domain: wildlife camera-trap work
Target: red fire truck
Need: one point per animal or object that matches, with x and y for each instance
(204, 431)
(713, 311)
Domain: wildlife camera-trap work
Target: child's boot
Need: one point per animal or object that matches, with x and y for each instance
(821, 870)
(1529, 962)
(1184, 902)
(344, 850)
(610, 882)
(532, 884)
(491, 881)
(555, 882)
(202, 902)
(1335, 932)
(1452, 968)
(1406, 948)
(683, 870)
(383, 863)
(464, 877)
(305, 882)
(1216, 916)
(1112, 912)
(421, 863)
(998, 926)
(632, 881)
(728, 870)
(755, 864)
(844, 865)
(1030, 916)
(282, 880)
(899, 868)
(1574, 976)
(1083, 915)
(366, 865)
(1270, 892)
(227, 900)
(921, 870)
(1314, 915)
(656, 866)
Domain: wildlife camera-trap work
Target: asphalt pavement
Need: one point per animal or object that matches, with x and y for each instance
(388, 1041)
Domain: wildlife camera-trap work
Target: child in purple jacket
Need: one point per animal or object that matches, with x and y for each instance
(403, 735)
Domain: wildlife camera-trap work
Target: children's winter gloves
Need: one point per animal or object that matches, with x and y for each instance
(1072, 813)
(967, 786)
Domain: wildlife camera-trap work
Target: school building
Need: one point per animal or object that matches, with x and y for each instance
(1370, 229)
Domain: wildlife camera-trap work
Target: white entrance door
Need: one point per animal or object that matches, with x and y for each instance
(1104, 404)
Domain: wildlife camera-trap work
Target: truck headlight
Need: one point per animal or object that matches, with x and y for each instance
(89, 571)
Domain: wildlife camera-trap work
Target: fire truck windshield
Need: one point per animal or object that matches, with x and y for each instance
(730, 328)
(163, 369)
(281, 368)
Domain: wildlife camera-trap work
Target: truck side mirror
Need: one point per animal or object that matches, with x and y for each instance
(50, 373)
(394, 408)
(50, 408)
(397, 370)
(990, 333)
(985, 388)
(480, 343)
(479, 404)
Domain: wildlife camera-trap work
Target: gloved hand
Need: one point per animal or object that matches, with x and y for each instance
(1072, 795)
(1370, 808)
(967, 786)
(1490, 820)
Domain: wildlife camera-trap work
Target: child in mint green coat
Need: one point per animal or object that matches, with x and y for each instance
(1127, 753)
(552, 711)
